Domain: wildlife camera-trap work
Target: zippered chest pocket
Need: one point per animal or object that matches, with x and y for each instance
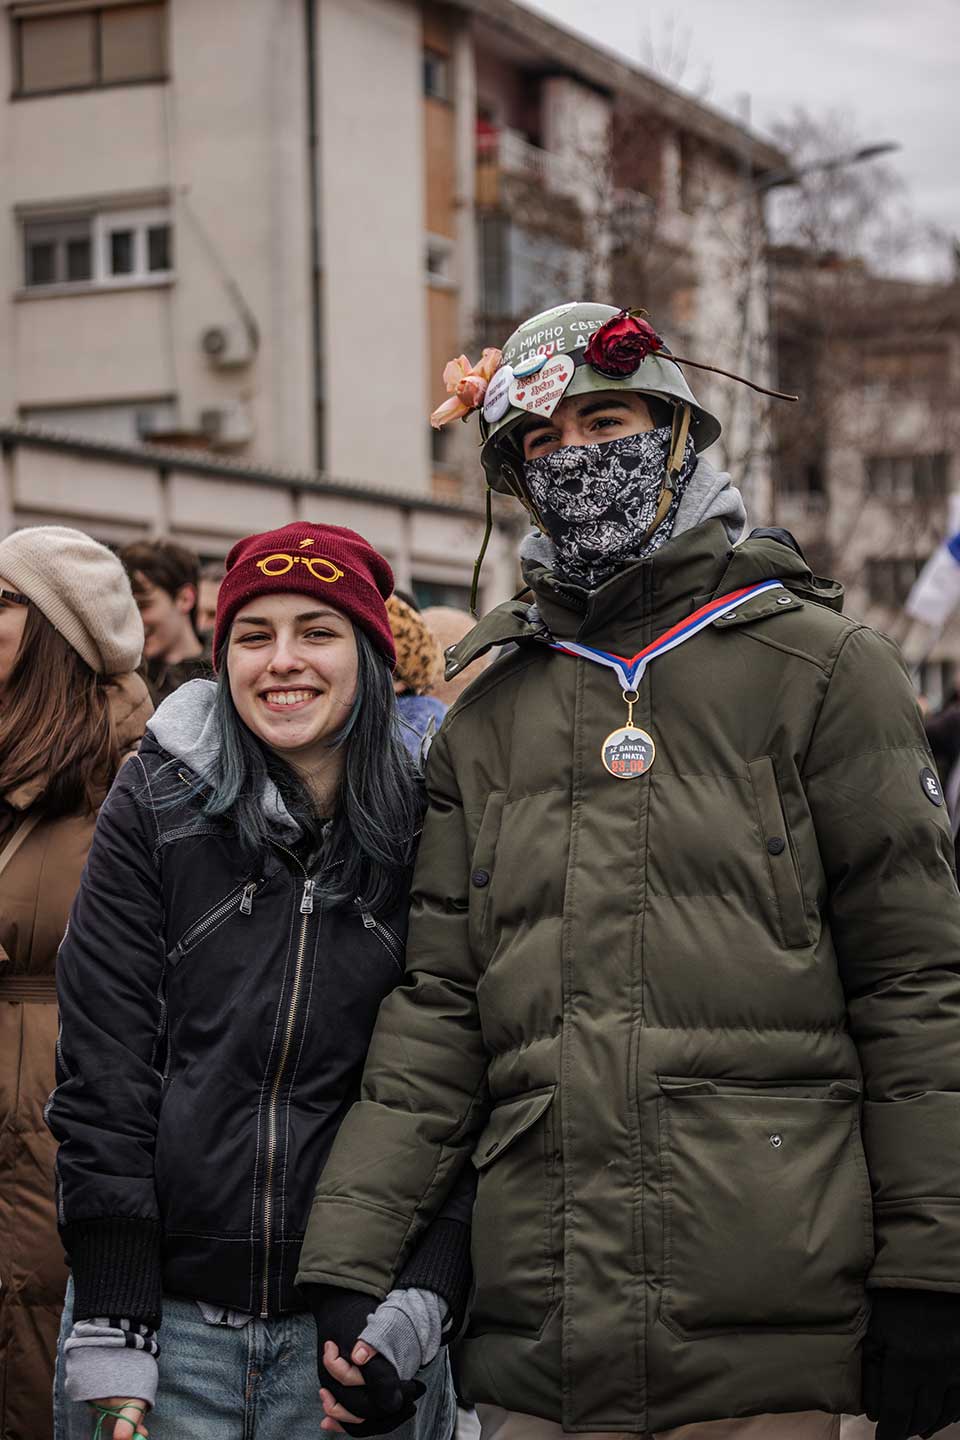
(238, 902)
(779, 855)
(382, 932)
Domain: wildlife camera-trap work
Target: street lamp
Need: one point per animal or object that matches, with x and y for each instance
(794, 175)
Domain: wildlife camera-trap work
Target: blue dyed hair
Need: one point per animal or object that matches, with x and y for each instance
(373, 836)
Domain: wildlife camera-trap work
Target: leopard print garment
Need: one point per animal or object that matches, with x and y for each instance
(419, 657)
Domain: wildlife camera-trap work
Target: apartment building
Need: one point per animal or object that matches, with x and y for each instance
(255, 230)
(866, 465)
(593, 178)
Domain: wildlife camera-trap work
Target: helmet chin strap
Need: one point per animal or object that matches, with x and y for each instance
(678, 446)
(678, 440)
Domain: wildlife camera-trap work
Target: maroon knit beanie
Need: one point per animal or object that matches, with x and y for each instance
(334, 565)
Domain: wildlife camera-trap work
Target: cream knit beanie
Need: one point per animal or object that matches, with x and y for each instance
(82, 589)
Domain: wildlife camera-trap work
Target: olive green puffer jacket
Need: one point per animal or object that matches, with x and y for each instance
(683, 1025)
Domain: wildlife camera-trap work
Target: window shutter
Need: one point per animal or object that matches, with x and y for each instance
(57, 52)
(132, 43)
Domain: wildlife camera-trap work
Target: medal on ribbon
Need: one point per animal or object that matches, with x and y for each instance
(628, 752)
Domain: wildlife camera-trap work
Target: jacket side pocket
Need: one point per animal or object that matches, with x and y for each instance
(513, 1248)
(767, 1206)
(781, 857)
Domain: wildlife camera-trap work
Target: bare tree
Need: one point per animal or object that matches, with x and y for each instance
(667, 50)
(857, 211)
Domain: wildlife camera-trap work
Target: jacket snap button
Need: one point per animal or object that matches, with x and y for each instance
(776, 1141)
(480, 878)
(776, 844)
(784, 600)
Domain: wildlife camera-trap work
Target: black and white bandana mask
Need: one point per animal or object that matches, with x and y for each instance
(598, 501)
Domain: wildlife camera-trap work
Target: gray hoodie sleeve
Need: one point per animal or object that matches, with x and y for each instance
(103, 1360)
(406, 1329)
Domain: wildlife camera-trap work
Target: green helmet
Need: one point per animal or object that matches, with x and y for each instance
(566, 330)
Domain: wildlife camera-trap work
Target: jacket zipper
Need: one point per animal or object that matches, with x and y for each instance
(217, 914)
(306, 910)
(391, 943)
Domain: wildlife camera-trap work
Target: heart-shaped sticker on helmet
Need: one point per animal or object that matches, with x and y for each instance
(542, 394)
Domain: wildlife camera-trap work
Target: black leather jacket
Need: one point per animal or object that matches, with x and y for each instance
(214, 1024)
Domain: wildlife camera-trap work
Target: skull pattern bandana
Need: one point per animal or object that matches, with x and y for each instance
(598, 501)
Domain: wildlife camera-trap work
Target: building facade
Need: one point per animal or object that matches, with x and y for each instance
(257, 229)
(866, 465)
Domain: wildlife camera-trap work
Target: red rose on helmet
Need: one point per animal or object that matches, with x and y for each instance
(618, 347)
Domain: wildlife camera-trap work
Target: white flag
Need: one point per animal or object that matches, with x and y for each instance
(936, 592)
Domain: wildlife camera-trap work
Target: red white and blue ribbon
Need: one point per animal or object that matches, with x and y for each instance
(630, 672)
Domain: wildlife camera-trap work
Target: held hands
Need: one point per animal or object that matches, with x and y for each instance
(127, 1415)
(371, 1401)
(367, 1396)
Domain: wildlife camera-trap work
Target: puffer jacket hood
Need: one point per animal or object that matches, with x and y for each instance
(571, 613)
(698, 1033)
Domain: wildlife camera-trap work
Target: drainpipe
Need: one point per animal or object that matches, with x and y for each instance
(313, 187)
(465, 122)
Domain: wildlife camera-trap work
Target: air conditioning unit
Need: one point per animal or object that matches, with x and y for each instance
(227, 426)
(227, 347)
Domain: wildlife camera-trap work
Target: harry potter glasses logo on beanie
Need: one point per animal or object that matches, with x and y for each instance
(280, 564)
(340, 567)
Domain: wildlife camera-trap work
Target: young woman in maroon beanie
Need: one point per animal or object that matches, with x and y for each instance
(242, 915)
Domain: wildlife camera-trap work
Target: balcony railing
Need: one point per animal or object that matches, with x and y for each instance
(512, 154)
(507, 153)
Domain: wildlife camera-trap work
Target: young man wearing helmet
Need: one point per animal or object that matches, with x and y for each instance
(684, 958)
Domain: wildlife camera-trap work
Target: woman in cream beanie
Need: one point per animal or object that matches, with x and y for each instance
(70, 709)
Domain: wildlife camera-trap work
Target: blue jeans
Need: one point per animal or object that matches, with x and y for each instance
(255, 1383)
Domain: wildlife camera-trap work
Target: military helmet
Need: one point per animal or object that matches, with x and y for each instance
(566, 330)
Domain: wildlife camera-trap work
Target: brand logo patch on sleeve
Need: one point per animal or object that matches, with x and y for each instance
(931, 786)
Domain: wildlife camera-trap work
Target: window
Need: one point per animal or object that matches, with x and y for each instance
(907, 477)
(436, 75)
(110, 44)
(58, 252)
(112, 248)
(439, 261)
(440, 446)
(802, 477)
(688, 177)
(890, 579)
(910, 370)
(437, 592)
(522, 271)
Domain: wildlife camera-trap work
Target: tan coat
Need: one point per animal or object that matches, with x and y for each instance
(36, 891)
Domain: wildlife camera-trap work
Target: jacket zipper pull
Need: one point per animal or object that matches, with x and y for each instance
(306, 904)
(246, 901)
(368, 920)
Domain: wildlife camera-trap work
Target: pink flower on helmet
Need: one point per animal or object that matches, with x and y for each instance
(467, 384)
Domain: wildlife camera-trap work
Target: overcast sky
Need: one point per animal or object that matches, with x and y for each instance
(894, 68)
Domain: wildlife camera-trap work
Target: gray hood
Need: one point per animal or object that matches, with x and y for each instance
(710, 495)
(186, 726)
